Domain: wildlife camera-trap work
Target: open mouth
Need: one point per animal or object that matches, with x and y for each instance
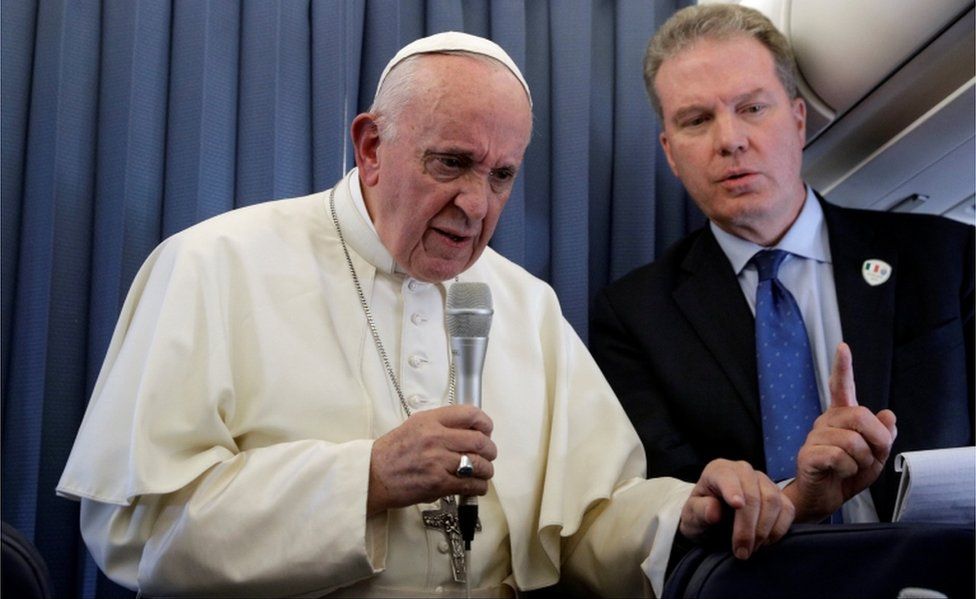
(451, 236)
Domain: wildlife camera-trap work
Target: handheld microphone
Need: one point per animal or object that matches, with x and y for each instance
(469, 311)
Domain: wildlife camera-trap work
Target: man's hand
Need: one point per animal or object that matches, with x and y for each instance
(417, 461)
(846, 450)
(762, 512)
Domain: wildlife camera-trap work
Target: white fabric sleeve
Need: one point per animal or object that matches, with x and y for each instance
(638, 522)
(599, 518)
(281, 520)
(191, 481)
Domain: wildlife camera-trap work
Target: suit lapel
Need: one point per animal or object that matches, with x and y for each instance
(712, 301)
(866, 312)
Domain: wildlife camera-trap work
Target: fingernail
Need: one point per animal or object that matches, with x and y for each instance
(742, 553)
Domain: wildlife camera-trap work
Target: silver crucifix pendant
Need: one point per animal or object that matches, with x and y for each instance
(445, 519)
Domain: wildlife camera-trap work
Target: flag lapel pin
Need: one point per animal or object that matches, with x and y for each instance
(875, 272)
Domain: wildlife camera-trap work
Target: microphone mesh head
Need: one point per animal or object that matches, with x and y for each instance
(469, 310)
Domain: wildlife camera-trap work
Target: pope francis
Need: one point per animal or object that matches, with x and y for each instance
(276, 412)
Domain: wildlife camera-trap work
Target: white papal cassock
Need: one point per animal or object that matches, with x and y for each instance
(226, 446)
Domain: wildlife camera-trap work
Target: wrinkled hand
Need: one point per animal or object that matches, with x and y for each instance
(417, 461)
(763, 513)
(844, 452)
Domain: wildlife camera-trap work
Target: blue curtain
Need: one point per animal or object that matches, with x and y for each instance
(125, 121)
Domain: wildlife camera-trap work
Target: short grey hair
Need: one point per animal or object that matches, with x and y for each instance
(403, 83)
(717, 21)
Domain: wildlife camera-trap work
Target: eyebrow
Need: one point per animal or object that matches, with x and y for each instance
(449, 151)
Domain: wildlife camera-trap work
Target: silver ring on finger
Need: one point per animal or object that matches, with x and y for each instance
(465, 467)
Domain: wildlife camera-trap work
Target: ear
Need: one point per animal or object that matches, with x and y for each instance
(663, 138)
(799, 108)
(365, 136)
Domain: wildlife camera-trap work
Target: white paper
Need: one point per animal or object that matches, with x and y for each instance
(937, 485)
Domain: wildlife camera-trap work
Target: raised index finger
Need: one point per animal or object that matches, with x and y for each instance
(842, 393)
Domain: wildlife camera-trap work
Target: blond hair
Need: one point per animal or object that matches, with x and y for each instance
(717, 21)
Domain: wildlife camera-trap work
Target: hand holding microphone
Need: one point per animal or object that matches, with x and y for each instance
(417, 462)
(469, 312)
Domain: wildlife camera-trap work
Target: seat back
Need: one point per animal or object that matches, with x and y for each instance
(23, 572)
(851, 560)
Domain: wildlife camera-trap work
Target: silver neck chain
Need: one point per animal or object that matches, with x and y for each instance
(372, 323)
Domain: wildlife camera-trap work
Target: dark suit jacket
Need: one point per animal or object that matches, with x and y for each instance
(675, 339)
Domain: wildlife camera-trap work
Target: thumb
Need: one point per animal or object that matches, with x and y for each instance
(842, 378)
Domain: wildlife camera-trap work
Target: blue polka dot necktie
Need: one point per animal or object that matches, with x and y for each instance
(788, 394)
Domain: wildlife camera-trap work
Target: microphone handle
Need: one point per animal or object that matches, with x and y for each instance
(468, 354)
(469, 360)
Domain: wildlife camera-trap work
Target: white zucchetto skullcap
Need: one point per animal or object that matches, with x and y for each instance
(450, 41)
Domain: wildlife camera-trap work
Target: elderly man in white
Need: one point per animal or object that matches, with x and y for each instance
(275, 414)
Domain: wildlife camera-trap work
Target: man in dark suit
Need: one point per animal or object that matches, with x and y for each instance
(677, 338)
